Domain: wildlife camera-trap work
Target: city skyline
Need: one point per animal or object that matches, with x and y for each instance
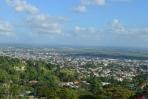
(78, 22)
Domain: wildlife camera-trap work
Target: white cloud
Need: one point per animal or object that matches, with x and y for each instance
(79, 30)
(93, 2)
(122, 0)
(119, 29)
(115, 21)
(22, 6)
(37, 23)
(116, 29)
(85, 33)
(45, 24)
(79, 9)
(6, 28)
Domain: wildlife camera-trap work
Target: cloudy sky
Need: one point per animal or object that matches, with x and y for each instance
(75, 22)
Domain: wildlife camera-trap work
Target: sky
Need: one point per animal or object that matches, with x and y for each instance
(75, 22)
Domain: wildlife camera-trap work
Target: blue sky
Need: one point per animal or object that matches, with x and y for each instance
(75, 22)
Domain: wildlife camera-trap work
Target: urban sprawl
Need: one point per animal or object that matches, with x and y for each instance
(120, 69)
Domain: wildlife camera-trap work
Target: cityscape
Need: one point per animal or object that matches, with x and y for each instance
(121, 71)
(73, 49)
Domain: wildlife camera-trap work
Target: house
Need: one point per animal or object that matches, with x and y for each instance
(20, 68)
(66, 83)
(84, 82)
(142, 97)
(23, 68)
(76, 81)
(105, 83)
(33, 81)
(6, 85)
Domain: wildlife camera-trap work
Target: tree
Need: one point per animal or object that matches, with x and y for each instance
(3, 76)
(46, 91)
(65, 93)
(50, 66)
(15, 91)
(96, 84)
(90, 97)
(115, 93)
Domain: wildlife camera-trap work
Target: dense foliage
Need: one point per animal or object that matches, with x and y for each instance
(16, 76)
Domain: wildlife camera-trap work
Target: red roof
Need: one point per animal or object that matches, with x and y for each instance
(142, 97)
(76, 81)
